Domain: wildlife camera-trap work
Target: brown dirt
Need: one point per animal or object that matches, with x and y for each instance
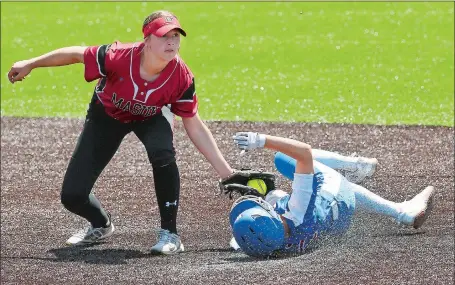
(34, 225)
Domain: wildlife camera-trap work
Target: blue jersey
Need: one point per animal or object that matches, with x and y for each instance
(327, 209)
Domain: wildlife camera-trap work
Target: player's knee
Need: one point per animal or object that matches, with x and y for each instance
(161, 158)
(285, 165)
(71, 200)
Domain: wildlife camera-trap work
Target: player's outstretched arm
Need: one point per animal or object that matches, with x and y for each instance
(59, 57)
(296, 149)
(203, 139)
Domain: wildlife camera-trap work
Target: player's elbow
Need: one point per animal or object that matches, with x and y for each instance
(306, 149)
(304, 159)
(304, 152)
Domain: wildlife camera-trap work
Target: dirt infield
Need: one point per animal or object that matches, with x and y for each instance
(34, 225)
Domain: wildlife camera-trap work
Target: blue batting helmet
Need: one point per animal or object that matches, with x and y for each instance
(256, 226)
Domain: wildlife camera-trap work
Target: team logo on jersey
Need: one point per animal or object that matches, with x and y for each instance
(134, 108)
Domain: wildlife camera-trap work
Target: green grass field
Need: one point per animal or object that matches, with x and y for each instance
(374, 63)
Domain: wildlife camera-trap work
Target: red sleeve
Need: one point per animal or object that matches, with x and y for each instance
(186, 103)
(96, 62)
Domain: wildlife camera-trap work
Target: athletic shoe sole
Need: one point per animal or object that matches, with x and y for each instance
(92, 242)
(158, 252)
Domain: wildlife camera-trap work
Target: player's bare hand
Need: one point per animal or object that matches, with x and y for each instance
(19, 70)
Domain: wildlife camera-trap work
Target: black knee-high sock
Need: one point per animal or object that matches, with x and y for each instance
(167, 188)
(96, 219)
(89, 209)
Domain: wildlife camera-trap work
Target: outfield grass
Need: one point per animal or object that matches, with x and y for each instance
(376, 63)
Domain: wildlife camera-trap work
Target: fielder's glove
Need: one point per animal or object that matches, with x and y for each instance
(249, 140)
(237, 182)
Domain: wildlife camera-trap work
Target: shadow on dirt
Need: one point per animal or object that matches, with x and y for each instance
(96, 256)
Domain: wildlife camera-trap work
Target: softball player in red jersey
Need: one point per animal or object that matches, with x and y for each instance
(135, 82)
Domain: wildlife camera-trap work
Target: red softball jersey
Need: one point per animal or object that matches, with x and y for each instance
(125, 95)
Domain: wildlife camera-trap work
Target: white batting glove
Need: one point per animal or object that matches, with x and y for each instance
(249, 140)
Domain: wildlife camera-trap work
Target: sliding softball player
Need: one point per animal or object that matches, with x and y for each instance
(321, 204)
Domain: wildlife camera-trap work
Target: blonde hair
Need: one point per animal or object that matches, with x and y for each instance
(156, 15)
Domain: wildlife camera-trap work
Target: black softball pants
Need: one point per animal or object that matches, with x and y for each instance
(100, 138)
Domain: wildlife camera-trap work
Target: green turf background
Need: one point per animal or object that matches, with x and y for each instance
(351, 62)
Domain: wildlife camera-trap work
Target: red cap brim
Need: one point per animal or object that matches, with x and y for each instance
(166, 29)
